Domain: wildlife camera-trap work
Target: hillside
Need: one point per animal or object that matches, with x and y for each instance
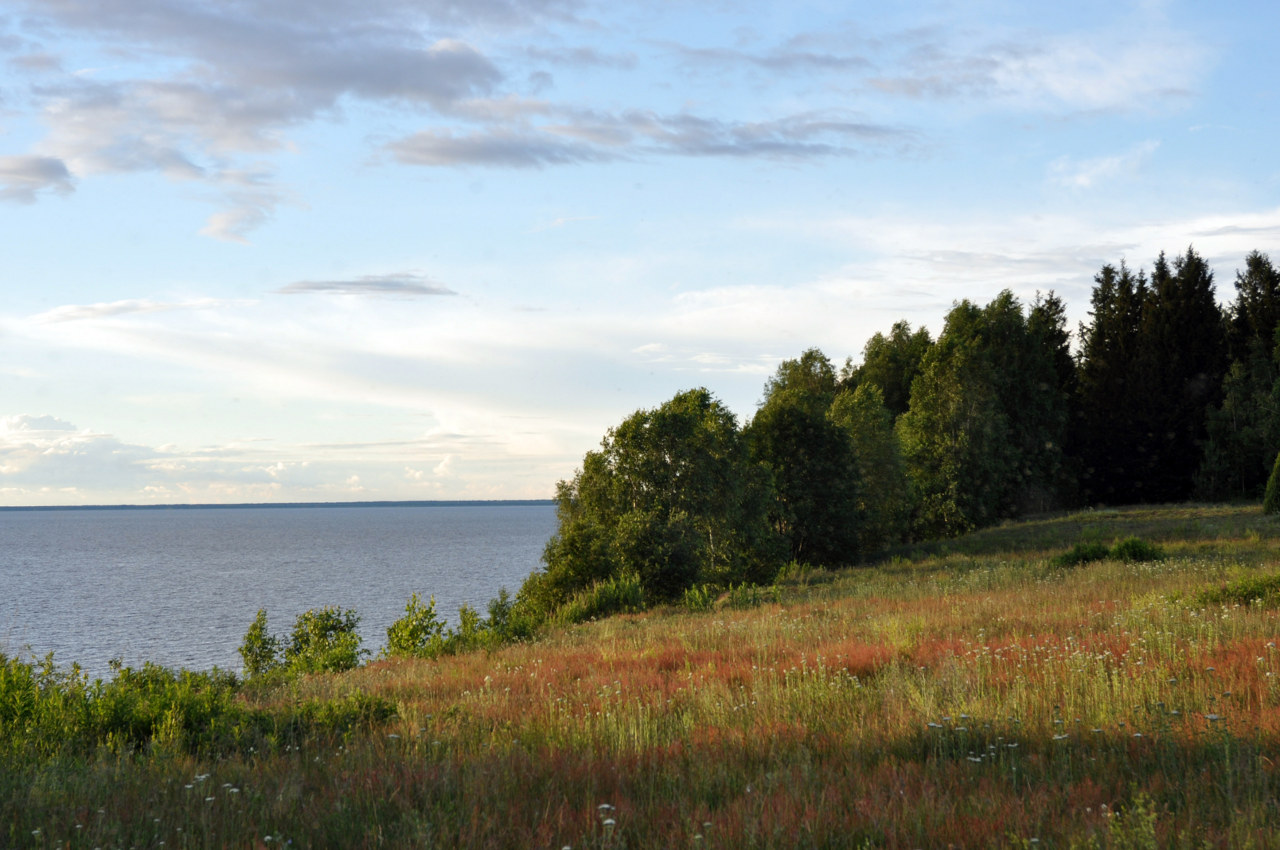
(973, 692)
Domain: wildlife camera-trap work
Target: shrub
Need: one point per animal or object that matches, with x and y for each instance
(1134, 549)
(700, 597)
(1082, 553)
(259, 650)
(1244, 591)
(750, 595)
(1271, 501)
(621, 594)
(419, 633)
(324, 640)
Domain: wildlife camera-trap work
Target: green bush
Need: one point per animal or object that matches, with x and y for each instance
(324, 640)
(419, 633)
(1244, 591)
(621, 594)
(750, 595)
(1271, 500)
(259, 650)
(45, 712)
(1130, 550)
(700, 597)
(1134, 550)
(1083, 553)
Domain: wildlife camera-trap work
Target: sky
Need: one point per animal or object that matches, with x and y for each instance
(336, 250)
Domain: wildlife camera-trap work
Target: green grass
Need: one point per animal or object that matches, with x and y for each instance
(977, 692)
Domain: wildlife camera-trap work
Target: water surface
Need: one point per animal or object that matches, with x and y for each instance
(180, 587)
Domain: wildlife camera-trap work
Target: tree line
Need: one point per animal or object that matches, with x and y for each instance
(1167, 396)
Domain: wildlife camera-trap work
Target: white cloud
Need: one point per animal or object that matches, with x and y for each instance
(1087, 173)
(1111, 69)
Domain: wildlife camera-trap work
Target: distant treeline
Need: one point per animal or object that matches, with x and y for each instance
(1166, 397)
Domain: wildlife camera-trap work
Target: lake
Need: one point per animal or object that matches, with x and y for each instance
(180, 587)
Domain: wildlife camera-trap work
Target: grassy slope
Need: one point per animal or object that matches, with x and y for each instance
(965, 693)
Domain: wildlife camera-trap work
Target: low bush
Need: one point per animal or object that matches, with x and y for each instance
(1083, 553)
(1135, 550)
(1263, 590)
(323, 640)
(1130, 550)
(700, 597)
(621, 594)
(419, 633)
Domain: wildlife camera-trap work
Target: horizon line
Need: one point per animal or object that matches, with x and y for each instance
(379, 503)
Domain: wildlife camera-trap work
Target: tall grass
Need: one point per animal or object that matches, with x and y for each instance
(981, 695)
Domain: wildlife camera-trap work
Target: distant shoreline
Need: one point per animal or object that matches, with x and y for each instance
(456, 503)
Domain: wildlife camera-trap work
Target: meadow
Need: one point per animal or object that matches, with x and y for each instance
(984, 691)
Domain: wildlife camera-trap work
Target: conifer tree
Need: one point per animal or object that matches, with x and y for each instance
(1182, 358)
(1243, 433)
(1109, 389)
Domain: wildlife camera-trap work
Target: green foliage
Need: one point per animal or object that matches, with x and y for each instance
(700, 597)
(1085, 552)
(985, 432)
(883, 506)
(670, 497)
(1243, 432)
(1271, 501)
(46, 712)
(1136, 550)
(324, 640)
(750, 595)
(419, 633)
(1133, 827)
(891, 364)
(621, 594)
(1264, 590)
(812, 461)
(1130, 550)
(260, 651)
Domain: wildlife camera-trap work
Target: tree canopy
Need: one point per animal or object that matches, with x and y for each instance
(1165, 395)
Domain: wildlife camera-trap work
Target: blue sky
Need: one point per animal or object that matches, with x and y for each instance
(381, 249)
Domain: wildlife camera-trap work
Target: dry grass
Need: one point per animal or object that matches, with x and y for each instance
(967, 694)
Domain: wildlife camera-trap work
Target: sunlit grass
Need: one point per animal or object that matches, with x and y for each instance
(969, 693)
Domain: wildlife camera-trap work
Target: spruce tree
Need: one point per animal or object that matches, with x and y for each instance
(1182, 358)
(1109, 389)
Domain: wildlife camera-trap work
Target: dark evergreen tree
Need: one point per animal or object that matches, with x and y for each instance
(1255, 313)
(1182, 359)
(1243, 433)
(1110, 389)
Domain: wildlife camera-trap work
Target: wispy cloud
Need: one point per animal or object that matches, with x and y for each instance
(390, 284)
(1085, 71)
(82, 312)
(22, 178)
(1087, 173)
(575, 137)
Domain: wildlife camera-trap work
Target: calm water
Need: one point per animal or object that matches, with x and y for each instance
(180, 587)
